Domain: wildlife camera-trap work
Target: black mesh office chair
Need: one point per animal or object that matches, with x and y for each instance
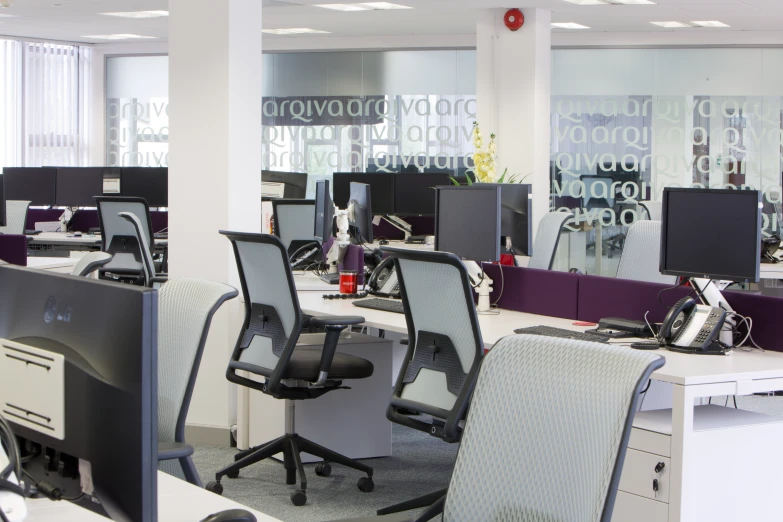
(119, 238)
(267, 348)
(443, 338)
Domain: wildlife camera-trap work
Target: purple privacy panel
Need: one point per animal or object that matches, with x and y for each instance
(542, 292)
(84, 220)
(353, 260)
(13, 249)
(766, 313)
(601, 297)
(40, 215)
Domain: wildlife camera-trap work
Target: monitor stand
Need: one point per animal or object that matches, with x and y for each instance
(400, 224)
(480, 278)
(710, 295)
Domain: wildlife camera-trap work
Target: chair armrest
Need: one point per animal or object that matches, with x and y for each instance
(174, 450)
(336, 320)
(404, 341)
(159, 280)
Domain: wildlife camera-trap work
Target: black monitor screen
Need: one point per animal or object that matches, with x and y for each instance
(295, 182)
(2, 204)
(414, 194)
(34, 184)
(324, 211)
(711, 234)
(467, 222)
(382, 185)
(77, 186)
(150, 183)
(361, 221)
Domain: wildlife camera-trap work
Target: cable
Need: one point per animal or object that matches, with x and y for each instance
(678, 285)
(502, 285)
(735, 403)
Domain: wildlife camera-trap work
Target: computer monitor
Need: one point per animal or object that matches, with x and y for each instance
(324, 211)
(294, 221)
(360, 219)
(150, 183)
(34, 184)
(711, 234)
(77, 186)
(516, 211)
(78, 380)
(414, 194)
(295, 184)
(2, 204)
(382, 189)
(467, 222)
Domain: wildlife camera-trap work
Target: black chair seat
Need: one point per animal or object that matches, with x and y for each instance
(305, 363)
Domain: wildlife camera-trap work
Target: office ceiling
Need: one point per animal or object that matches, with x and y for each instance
(70, 20)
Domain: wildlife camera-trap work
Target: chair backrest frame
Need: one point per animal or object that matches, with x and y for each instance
(534, 259)
(107, 238)
(16, 217)
(147, 262)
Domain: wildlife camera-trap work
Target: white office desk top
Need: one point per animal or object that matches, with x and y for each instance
(178, 501)
(45, 238)
(684, 369)
(50, 263)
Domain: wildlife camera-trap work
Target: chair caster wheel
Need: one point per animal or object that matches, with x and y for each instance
(233, 474)
(214, 487)
(366, 484)
(299, 498)
(323, 469)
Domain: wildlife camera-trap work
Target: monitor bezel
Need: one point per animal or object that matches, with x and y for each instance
(475, 186)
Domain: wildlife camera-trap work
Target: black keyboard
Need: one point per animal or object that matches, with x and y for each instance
(385, 305)
(563, 334)
(416, 240)
(332, 279)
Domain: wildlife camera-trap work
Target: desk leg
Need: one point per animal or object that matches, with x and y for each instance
(682, 441)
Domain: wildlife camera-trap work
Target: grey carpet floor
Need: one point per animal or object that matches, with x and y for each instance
(420, 464)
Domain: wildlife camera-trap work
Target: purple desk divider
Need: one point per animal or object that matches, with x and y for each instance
(601, 297)
(766, 313)
(13, 249)
(84, 220)
(353, 260)
(41, 215)
(541, 292)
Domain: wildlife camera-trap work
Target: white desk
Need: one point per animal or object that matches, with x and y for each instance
(55, 264)
(688, 378)
(68, 239)
(178, 501)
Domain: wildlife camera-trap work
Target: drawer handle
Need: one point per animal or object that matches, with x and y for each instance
(655, 485)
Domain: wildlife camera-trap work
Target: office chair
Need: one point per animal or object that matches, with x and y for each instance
(185, 311)
(15, 216)
(444, 352)
(266, 348)
(642, 254)
(120, 239)
(528, 455)
(151, 279)
(547, 239)
(89, 263)
(294, 222)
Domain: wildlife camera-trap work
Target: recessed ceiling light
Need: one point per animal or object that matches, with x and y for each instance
(606, 2)
(569, 25)
(297, 30)
(116, 36)
(343, 7)
(384, 5)
(7, 16)
(672, 25)
(711, 23)
(139, 14)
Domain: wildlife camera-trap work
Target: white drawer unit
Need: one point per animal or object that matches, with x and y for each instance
(632, 508)
(641, 478)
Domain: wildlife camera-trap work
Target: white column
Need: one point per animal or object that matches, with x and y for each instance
(214, 166)
(513, 71)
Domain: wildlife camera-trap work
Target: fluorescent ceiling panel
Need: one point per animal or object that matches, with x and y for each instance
(569, 25)
(139, 14)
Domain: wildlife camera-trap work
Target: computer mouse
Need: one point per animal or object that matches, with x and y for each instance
(232, 515)
(77, 234)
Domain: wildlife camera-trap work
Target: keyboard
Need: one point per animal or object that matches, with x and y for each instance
(549, 331)
(32, 232)
(385, 305)
(416, 240)
(332, 279)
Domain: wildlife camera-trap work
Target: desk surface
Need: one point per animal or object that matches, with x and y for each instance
(178, 501)
(64, 238)
(680, 368)
(50, 263)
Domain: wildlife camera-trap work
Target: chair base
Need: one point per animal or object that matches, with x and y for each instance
(433, 502)
(291, 445)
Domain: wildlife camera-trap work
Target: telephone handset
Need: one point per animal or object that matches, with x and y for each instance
(693, 328)
(383, 281)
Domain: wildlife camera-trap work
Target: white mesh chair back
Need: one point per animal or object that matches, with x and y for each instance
(533, 454)
(653, 210)
(112, 224)
(89, 263)
(265, 272)
(442, 326)
(185, 311)
(146, 253)
(547, 239)
(641, 257)
(294, 221)
(15, 217)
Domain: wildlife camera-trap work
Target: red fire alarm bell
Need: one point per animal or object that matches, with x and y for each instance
(514, 19)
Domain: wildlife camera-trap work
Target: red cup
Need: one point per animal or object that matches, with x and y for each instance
(349, 282)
